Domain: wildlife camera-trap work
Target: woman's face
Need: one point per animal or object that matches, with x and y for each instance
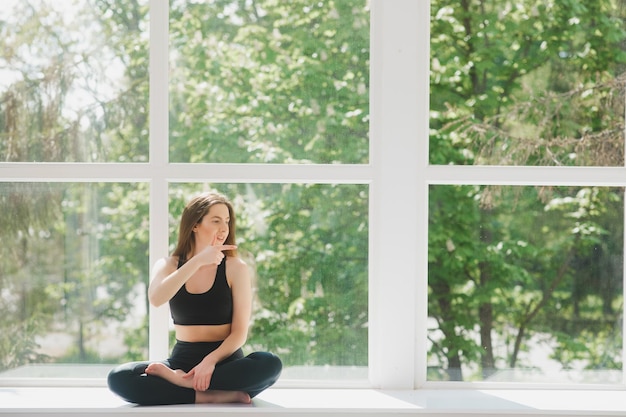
(213, 228)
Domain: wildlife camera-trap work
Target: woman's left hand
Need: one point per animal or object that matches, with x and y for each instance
(201, 375)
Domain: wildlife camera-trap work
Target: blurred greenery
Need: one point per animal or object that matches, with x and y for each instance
(294, 92)
(511, 268)
(516, 270)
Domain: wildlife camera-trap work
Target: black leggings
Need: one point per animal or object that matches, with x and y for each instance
(251, 374)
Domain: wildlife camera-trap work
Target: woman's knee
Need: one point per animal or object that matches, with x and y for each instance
(122, 375)
(271, 363)
(116, 378)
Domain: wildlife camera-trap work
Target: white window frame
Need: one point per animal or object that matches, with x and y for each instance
(492, 175)
(398, 176)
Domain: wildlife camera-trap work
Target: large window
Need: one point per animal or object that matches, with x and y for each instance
(307, 244)
(527, 83)
(525, 283)
(430, 193)
(238, 93)
(73, 276)
(525, 273)
(267, 83)
(74, 81)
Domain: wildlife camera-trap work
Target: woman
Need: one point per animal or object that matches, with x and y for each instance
(209, 292)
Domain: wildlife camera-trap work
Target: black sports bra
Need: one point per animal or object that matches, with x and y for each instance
(212, 307)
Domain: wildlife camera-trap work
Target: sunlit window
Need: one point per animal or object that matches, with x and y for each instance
(527, 83)
(525, 282)
(74, 81)
(248, 82)
(72, 276)
(415, 216)
(270, 83)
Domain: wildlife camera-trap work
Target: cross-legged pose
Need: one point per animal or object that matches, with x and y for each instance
(208, 288)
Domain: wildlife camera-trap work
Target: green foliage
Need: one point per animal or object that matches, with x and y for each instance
(261, 81)
(27, 301)
(527, 83)
(77, 268)
(269, 81)
(74, 355)
(136, 342)
(308, 247)
(508, 271)
(68, 104)
(21, 347)
(523, 83)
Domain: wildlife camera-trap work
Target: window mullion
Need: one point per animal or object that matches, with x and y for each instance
(394, 249)
(159, 28)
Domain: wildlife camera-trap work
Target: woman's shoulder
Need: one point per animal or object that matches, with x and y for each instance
(235, 262)
(167, 263)
(236, 267)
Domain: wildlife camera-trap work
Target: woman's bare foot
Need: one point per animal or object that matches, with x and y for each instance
(175, 376)
(220, 397)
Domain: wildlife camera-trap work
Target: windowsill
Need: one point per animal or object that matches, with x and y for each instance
(100, 401)
(81, 390)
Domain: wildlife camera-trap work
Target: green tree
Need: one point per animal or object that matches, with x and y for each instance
(70, 104)
(523, 83)
(527, 83)
(310, 268)
(266, 81)
(501, 274)
(259, 81)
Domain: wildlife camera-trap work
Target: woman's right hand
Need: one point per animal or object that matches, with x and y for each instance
(213, 254)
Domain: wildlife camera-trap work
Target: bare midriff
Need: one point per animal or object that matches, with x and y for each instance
(202, 333)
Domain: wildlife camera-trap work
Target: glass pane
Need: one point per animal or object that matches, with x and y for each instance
(308, 247)
(269, 81)
(73, 277)
(74, 81)
(528, 83)
(525, 284)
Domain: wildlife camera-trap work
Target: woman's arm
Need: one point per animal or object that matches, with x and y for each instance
(167, 278)
(238, 276)
(239, 280)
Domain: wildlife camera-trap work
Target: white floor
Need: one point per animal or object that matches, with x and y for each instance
(98, 401)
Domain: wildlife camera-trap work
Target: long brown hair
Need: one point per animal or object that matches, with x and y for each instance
(193, 214)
